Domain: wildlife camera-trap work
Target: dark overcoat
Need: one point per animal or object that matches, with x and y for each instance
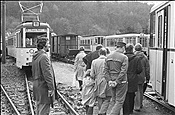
(43, 77)
(134, 69)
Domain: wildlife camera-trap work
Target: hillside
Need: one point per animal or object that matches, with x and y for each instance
(87, 18)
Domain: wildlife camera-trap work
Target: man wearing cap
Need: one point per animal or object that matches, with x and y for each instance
(91, 56)
(115, 70)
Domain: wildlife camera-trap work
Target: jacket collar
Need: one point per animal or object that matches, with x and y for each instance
(102, 57)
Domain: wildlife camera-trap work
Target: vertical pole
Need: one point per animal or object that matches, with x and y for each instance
(3, 32)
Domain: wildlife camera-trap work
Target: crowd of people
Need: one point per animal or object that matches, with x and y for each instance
(116, 79)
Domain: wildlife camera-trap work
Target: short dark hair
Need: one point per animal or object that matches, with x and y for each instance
(41, 42)
(107, 49)
(81, 48)
(103, 51)
(138, 47)
(129, 48)
(99, 46)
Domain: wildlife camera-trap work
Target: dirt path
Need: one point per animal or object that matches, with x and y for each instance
(64, 73)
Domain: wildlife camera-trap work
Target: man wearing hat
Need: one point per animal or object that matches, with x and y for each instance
(91, 56)
(115, 71)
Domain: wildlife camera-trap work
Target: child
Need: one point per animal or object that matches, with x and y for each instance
(88, 97)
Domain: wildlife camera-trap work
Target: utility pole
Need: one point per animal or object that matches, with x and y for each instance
(3, 32)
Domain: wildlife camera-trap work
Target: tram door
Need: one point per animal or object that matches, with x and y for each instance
(161, 53)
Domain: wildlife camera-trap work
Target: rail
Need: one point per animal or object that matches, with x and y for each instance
(146, 94)
(14, 107)
(67, 104)
(28, 94)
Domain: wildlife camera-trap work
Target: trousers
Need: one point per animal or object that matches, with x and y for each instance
(103, 104)
(89, 110)
(42, 109)
(139, 97)
(128, 105)
(118, 98)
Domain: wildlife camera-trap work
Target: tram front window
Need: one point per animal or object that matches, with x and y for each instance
(31, 39)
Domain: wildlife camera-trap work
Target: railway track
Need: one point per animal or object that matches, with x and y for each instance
(17, 95)
(156, 98)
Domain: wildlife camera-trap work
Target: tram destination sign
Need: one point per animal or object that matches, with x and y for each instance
(36, 30)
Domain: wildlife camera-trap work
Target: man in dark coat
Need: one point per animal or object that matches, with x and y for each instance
(91, 56)
(134, 69)
(43, 84)
(144, 76)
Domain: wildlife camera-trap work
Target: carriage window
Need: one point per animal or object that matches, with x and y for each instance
(160, 31)
(10, 41)
(96, 40)
(88, 41)
(112, 43)
(101, 40)
(108, 42)
(152, 30)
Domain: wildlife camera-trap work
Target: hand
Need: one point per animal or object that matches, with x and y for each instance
(50, 93)
(114, 84)
(147, 81)
(110, 83)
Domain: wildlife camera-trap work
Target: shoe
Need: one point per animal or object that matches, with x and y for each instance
(137, 110)
(141, 106)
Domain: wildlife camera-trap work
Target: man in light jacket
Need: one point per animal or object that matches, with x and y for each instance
(80, 66)
(115, 70)
(102, 89)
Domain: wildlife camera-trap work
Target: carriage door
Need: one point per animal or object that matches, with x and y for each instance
(162, 53)
(165, 46)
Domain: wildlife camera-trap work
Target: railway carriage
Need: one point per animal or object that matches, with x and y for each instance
(111, 40)
(162, 50)
(66, 45)
(21, 44)
(90, 42)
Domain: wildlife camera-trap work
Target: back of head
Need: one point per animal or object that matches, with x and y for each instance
(103, 51)
(41, 42)
(82, 48)
(138, 47)
(99, 46)
(120, 44)
(129, 48)
(107, 49)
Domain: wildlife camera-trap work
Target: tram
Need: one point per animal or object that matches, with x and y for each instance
(162, 50)
(21, 43)
(111, 40)
(90, 42)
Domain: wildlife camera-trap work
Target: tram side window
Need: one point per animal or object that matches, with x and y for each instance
(101, 40)
(160, 31)
(10, 41)
(152, 30)
(112, 43)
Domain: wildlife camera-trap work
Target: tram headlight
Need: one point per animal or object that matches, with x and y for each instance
(32, 51)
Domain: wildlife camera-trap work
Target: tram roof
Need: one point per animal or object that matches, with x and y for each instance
(156, 6)
(122, 35)
(30, 25)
